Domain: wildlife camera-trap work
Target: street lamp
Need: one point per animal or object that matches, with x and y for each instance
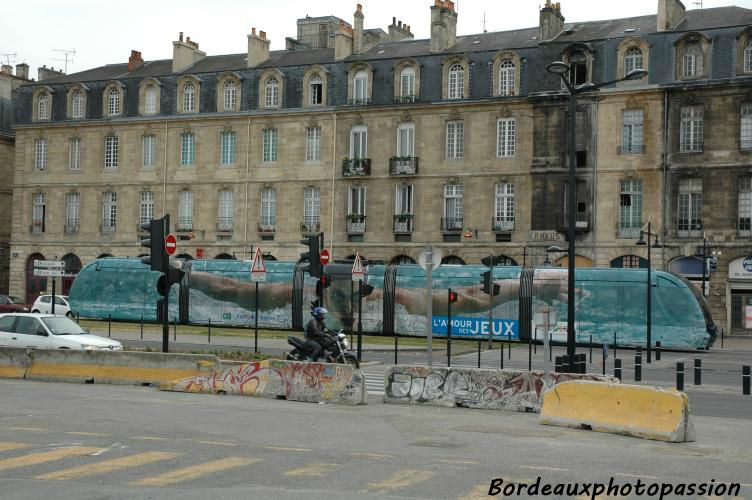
(561, 68)
(642, 242)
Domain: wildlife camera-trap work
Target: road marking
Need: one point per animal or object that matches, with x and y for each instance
(399, 480)
(462, 462)
(312, 470)
(109, 465)
(369, 455)
(27, 429)
(280, 448)
(218, 443)
(480, 492)
(635, 475)
(531, 467)
(149, 438)
(196, 471)
(75, 433)
(47, 456)
(11, 446)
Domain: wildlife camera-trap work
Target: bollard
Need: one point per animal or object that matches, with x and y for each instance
(109, 325)
(557, 366)
(698, 371)
(617, 369)
(745, 380)
(78, 321)
(591, 349)
(658, 351)
(721, 338)
(638, 365)
(679, 376)
(603, 360)
(583, 362)
(501, 359)
(142, 327)
(395, 348)
(175, 330)
(478, 353)
(210, 330)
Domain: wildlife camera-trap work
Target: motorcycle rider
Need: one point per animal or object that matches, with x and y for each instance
(315, 333)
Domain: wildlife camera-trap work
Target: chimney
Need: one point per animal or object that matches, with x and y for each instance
(258, 48)
(7, 69)
(22, 71)
(443, 25)
(399, 30)
(343, 42)
(45, 73)
(551, 22)
(358, 30)
(670, 14)
(184, 54)
(135, 61)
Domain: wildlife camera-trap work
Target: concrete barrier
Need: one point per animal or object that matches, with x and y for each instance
(13, 362)
(629, 410)
(278, 379)
(487, 389)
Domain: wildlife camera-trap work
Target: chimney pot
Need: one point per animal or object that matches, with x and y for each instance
(181, 36)
(262, 34)
(253, 31)
(394, 21)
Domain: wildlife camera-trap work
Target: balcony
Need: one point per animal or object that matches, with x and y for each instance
(402, 99)
(71, 227)
(107, 228)
(267, 226)
(356, 224)
(360, 101)
(451, 225)
(502, 225)
(631, 149)
(184, 226)
(403, 165)
(225, 225)
(629, 233)
(691, 147)
(310, 227)
(403, 223)
(356, 167)
(689, 228)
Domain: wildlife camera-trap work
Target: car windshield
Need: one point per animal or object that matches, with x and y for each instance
(15, 300)
(63, 326)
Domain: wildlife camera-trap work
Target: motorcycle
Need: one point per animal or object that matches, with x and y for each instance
(335, 349)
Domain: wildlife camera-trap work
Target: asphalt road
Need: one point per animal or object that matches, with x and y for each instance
(67, 441)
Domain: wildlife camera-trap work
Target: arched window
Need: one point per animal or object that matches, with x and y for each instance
(272, 92)
(692, 60)
(578, 64)
(452, 260)
(43, 107)
(748, 57)
(630, 261)
(506, 78)
(230, 95)
(632, 60)
(407, 83)
(316, 89)
(113, 102)
(360, 87)
(77, 104)
(402, 260)
(224, 256)
(150, 106)
(189, 97)
(456, 84)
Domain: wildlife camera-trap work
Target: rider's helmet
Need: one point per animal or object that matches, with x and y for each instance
(319, 313)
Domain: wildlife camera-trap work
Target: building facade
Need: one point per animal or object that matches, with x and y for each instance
(386, 144)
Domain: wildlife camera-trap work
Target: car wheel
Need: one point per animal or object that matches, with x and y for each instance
(69, 314)
(35, 311)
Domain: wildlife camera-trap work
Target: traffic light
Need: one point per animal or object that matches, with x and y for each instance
(325, 280)
(155, 243)
(452, 296)
(489, 287)
(312, 256)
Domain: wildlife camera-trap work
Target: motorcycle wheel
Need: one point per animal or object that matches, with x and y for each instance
(351, 359)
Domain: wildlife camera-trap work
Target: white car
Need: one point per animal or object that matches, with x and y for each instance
(45, 331)
(43, 305)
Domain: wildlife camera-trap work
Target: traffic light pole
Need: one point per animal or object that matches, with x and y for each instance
(449, 328)
(360, 316)
(166, 301)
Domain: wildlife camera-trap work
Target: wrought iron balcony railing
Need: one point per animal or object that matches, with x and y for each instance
(310, 227)
(403, 165)
(107, 228)
(360, 101)
(501, 224)
(631, 149)
(691, 147)
(184, 226)
(71, 227)
(629, 232)
(452, 224)
(356, 167)
(403, 223)
(356, 224)
(405, 99)
(267, 226)
(225, 225)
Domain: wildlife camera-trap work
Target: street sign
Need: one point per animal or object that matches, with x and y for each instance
(325, 257)
(50, 264)
(49, 272)
(170, 244)
(258, 269)
(358, 273)
(435, 262)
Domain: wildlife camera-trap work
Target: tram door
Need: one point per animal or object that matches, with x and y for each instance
(739, 302)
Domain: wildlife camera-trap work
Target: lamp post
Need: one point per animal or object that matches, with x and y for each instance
(704, 263)
(562, 69)
(642, 242)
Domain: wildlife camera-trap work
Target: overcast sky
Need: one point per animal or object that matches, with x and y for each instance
(105, 32)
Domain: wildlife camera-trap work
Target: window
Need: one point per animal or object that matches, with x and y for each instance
(407, 84)
(227, 140)
(185, 211)
(578, 68)
(630, 208)
(109, 212)
(631, 131)
(230, 95)
(360, 87)
(146, 207)
(40, 160)
(406, 140)
(74, 161)
(113, 102)
(311, 208)
(359, 142)
(456, 84)
(189, 98)
(38, 213)
(272, 93)
(691, 129)
(632, 60)
(270, 145)
(506, 78)
(748, 57)
(313, 143)
(745, 206)
(149, 145)
(150, 106)
(505, 134)
(357, 201)
(268, 214)
(43, 107)
(453, 208)
(77, 104)
(72, 212)
(187, 148)
(111, 152)
(692, 60)
(504, 210)
(745, 128)
(226, 210)
(455, 139)
(403, 200)
(316, 90)
(690, 207)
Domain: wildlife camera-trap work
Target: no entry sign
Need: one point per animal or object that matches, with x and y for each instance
(170, 244)
(325, 256)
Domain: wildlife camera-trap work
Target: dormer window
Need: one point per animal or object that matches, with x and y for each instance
(43, 107)
(506, 78)
(692, 60)
(316, 90)
(456, 82)
(77, 104)
(272, 92)
(150, 104)
(632, 60)
(407, 83)
(189, 98)
(113, 102)
(360, 86)
(578, 68)
(230, 95)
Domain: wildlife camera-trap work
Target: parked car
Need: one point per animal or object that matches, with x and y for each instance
(45, 331)
(11, 304)
(43, 305)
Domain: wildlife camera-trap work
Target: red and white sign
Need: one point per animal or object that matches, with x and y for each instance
(748, 317)
(325, 257)
(358, 273)
(170, 244)
(258, 268)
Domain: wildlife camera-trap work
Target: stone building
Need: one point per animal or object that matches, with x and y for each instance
(386, 144)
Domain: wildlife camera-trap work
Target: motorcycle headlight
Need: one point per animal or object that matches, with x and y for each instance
(346, 343)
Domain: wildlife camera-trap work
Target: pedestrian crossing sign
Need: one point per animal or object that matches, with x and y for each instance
(258, 269)
(358, 273)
